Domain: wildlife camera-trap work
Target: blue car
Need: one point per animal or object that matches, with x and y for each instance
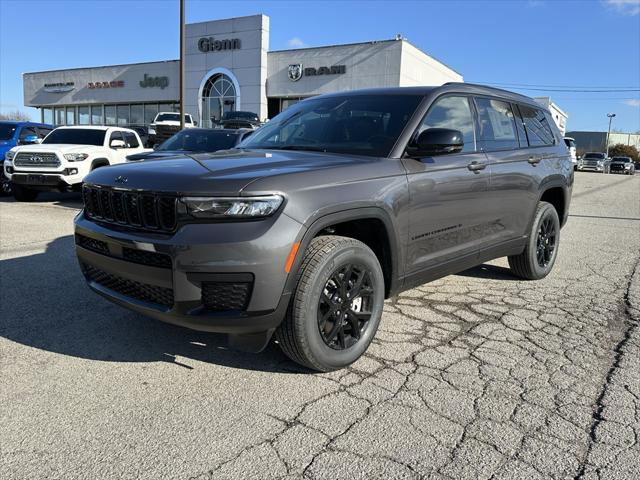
(14, 133)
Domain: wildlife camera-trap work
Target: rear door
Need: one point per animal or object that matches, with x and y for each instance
(515, 176)
(448, 220)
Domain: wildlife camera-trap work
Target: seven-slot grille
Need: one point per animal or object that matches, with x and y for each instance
(26, 159)
(147, 211)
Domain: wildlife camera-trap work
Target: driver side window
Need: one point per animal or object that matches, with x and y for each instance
(452, 112)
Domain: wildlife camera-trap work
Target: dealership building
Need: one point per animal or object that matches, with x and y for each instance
(228, 66)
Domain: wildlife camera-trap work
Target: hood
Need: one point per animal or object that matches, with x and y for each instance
(155, 155)
(49, 147)
(223, 173)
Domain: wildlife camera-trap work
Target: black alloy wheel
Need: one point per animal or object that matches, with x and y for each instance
(546, 242)
(344, 308)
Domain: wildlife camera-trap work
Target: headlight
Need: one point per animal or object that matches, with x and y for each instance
(9, 155)
(234, 207)
(76, 157)
(151, 131)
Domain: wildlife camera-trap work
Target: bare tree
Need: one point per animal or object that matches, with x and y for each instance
(16, 115)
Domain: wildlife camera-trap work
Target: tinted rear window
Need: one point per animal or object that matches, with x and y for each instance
(496, 125)
(539, 132)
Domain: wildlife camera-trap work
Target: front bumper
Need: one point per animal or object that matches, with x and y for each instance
(198, 256)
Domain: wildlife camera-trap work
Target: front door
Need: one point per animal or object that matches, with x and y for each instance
(448, 220)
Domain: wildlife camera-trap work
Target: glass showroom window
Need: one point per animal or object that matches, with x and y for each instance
(83, 115)
(47, 116)
(166, 107)
(137, 115)
(96, 115)
(71, 115)
(123, 114)
(110, 114)
(59, 115)
(150, 112)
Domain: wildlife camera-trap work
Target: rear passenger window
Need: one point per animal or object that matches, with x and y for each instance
(452, 112)
(130, 139)
(496, 125)
(522, 134)
(539, 131)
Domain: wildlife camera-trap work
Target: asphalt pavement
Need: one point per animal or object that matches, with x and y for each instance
(478, 375)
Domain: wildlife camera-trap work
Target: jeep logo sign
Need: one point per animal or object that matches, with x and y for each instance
(209, 44)
(149, 81)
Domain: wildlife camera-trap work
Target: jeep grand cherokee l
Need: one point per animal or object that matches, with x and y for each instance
(339, 202)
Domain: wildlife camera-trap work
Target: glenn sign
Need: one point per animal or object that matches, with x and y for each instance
(210, 44)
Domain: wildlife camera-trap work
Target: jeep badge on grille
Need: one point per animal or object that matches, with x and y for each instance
(121, 179)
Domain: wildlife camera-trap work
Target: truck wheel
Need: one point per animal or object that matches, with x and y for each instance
(336, 306)
(23, 194)
(542, 246)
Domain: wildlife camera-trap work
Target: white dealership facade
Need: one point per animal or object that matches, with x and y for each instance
(228, 66)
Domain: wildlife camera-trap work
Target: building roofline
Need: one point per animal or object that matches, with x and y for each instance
(99, 66)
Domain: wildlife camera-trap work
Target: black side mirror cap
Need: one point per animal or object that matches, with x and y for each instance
(436, 141)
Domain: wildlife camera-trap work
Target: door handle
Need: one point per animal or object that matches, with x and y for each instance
(476, 166)
(534, 159)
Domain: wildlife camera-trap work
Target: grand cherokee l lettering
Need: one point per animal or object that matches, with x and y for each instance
(339, 202)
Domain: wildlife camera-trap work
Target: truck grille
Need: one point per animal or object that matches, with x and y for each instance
(163, 132)
(129, 288)
(26, 159)
(147, 211)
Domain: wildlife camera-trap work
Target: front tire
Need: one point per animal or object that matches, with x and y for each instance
(539, 255)
(336, 307)
(23, 194)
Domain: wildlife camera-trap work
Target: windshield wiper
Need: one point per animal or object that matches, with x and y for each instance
(309, 148)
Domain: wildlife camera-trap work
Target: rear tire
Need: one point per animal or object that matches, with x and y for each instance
(336, 307)
(23, 194)
(539, 255)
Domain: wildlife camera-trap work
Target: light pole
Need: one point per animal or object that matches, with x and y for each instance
(182, 52)
(610, 115)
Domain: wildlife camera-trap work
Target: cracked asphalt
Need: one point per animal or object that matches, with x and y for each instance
(477, 375)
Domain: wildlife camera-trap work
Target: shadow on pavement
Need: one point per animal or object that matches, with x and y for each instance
(489, 271)
(45, 304)
(67, 200)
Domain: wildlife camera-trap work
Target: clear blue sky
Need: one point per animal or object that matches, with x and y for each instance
(588, 43)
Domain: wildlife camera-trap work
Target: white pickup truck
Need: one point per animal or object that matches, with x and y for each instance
(166, 125)
(65, 157)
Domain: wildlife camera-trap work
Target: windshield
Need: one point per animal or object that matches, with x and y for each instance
(76, 136)
(596, 156)
(171, 117)
(7, 130)
(240, 115)
(621, 159)
(359, 125)
(192, 140)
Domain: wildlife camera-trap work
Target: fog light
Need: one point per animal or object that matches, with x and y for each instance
(71, 171)
(10, 170)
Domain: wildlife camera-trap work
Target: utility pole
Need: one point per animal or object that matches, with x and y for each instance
(610, 115)
(182, 55)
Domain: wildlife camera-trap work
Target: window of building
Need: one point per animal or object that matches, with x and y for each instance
(452, 112)
(83, 115)
(59, 115)
(71, 115)
(137, 115)
(218, 97)
(496, 125)
(110, 114)
(43, 132)
(47, 116)
(150, 112)
(537, 125)
(96, 115)
(123, 114)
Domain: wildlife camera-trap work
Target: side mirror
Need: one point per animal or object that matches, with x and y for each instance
(30, 140)
(117, 143)
(436, 141)
(195, 124)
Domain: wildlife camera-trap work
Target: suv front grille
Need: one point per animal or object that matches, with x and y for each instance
(224, 296)
(129, 288)
(26, 159)
(148, 211)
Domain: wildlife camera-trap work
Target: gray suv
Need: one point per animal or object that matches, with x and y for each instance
(337, 203)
